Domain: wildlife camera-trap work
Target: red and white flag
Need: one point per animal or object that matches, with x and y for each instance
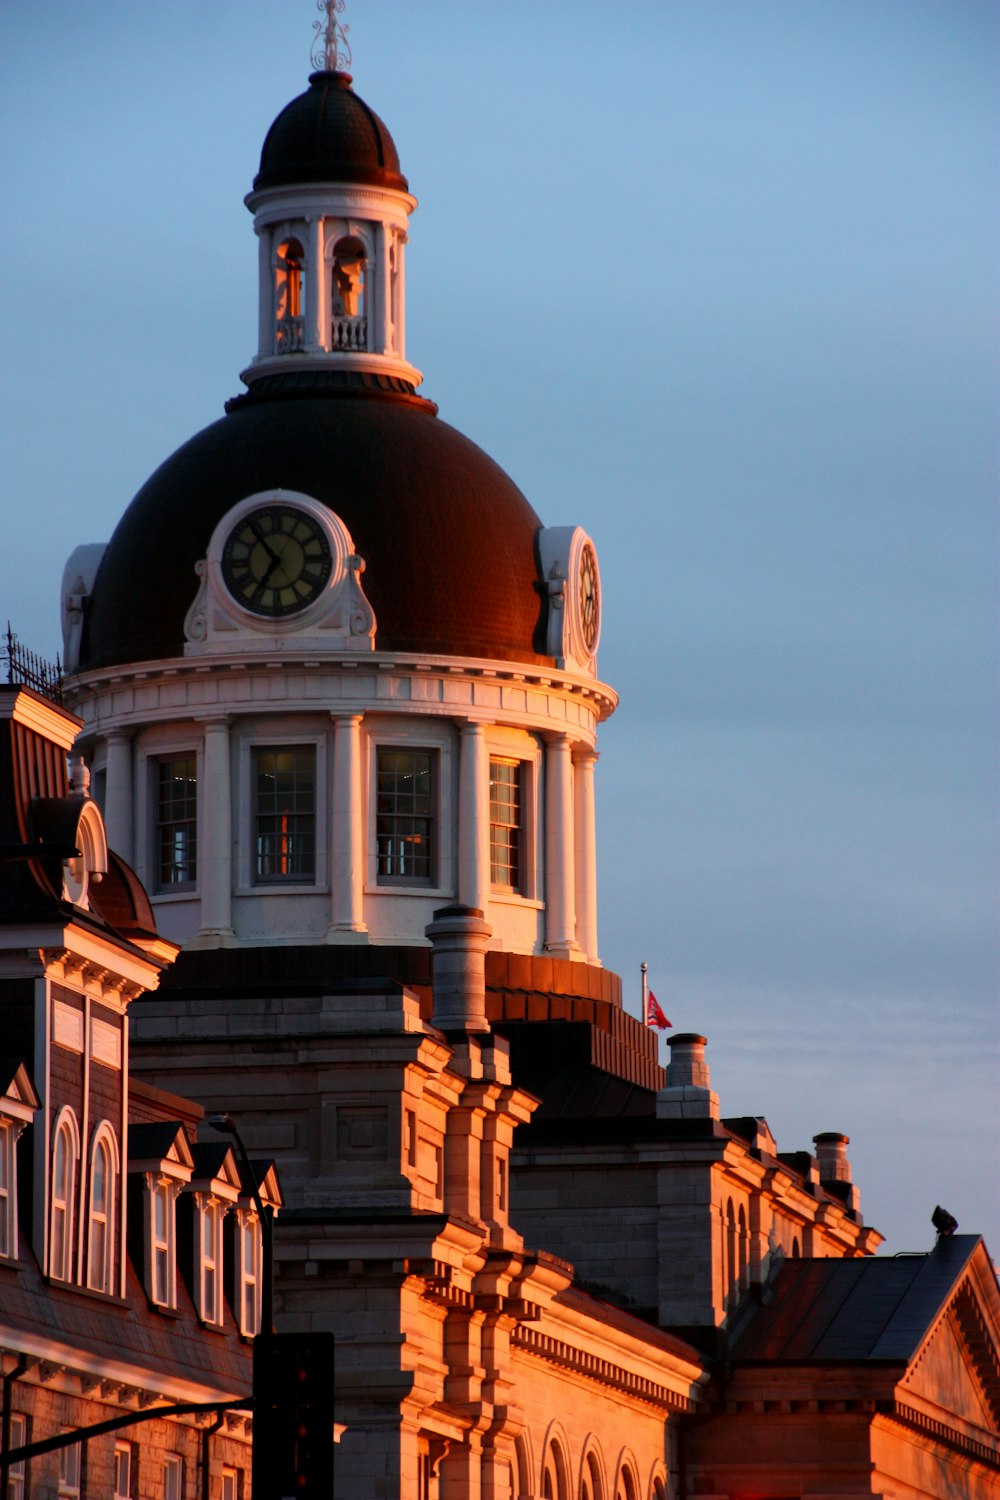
(654, 1015)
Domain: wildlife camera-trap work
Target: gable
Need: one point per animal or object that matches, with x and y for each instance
(957, 1369)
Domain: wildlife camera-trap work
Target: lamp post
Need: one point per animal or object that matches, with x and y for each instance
(227, 1126)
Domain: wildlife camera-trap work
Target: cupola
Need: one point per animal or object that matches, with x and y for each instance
(330, 208)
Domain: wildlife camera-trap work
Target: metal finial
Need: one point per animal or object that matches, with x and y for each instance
(331, 51)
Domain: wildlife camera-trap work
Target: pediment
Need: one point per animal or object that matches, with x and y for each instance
(957, 1368)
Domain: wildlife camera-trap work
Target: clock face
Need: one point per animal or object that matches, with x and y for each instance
(276, 560)
(589, 597)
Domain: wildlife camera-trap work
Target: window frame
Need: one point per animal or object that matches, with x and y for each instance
(501, 830)
(17, 1474)
(511, 746)
(210, 1212)
(173, 1488)
(248, 1222)
(440, 738)
(70, 1485)
(8, 1189)
(126, 1452)
(64, 1126)
(294, 877)
(103, 1142)
(162, 1188)
(245, 792)
(432, 820)
(156, 762)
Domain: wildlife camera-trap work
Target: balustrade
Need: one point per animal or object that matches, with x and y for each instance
(289, 337)
(349, 333)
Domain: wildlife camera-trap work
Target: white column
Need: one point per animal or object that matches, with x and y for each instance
(380, 310)
(474, 818)
(347, 851)
(586, 852)
(215, 836)
(265, 295)
(399, 321)
(560, 863)
(317, 336)
(119, 796)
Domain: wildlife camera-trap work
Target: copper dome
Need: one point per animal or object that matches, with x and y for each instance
(328, 134)
(448, 540)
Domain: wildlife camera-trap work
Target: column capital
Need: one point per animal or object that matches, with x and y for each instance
(214, 721)
(584, 754)
(348, 718)
(119, 736)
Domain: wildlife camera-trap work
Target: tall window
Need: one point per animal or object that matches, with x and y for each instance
(506, 811)
(173, 1477)
(123, 1471)
(70, 1471)
(17, 1473)
(8, 1191)
(211, 1260)
(176, 822)
(232, 1484)
(65, 1151)
(162, 1241)
(248, 1270)
(404, 831)
(284, 815)
(101, 1219)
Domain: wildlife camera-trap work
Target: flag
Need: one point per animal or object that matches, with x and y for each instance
(654, 1015)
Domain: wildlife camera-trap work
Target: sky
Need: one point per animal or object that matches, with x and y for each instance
(715, 280)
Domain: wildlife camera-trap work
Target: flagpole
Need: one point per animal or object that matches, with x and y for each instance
(645, 991)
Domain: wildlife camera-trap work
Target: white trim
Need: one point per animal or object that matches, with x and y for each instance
(103, 1139)
(65, 1119)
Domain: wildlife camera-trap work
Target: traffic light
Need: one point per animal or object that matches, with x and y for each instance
(293, 1416)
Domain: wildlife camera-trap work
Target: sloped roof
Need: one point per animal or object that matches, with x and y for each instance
(873, 1309)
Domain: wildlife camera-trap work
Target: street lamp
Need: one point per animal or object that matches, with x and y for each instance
(227, 1126)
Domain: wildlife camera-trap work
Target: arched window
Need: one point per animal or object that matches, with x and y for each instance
(554, 1482)
(627, 1487)
(349, 322)
(591, 1478)
(796, 1251)
(62, 1195)
(288, 263)
(101, 1216)
(744, 1246)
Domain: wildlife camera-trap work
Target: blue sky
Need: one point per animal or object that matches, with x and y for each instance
(715, 279)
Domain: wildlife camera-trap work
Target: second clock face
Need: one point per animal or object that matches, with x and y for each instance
(589, 597)
(276, 560)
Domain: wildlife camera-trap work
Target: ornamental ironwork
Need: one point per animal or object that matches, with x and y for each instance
(331, 51)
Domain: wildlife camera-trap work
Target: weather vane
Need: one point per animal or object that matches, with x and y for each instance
(331, 51)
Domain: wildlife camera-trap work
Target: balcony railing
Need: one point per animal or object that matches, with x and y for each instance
(30, 670)
(288, 336)
(349, 333)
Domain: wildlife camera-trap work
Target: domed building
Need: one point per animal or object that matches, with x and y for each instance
(333, 669)
(340, 700)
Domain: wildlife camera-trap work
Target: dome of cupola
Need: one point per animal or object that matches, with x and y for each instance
(328, 134)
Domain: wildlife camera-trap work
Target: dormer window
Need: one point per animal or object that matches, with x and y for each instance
(18, 1103)
(65, 1155)
(159, 1150)
(209, 1220)
(288, 297)
(104, 1163)
(248, 1272)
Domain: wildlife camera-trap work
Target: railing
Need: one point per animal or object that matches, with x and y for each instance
(288, 336)
(349, 333)
(30, 670)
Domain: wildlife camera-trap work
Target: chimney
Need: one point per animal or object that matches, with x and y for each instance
(688, 1092)
(831, 1156)
(459, 937)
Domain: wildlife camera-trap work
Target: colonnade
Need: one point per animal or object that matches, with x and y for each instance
(566, 806)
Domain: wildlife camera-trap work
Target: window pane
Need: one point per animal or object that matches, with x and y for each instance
(284, 814)
(173, 1476)
(404, 831)
(176, 825)
(505, 823)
